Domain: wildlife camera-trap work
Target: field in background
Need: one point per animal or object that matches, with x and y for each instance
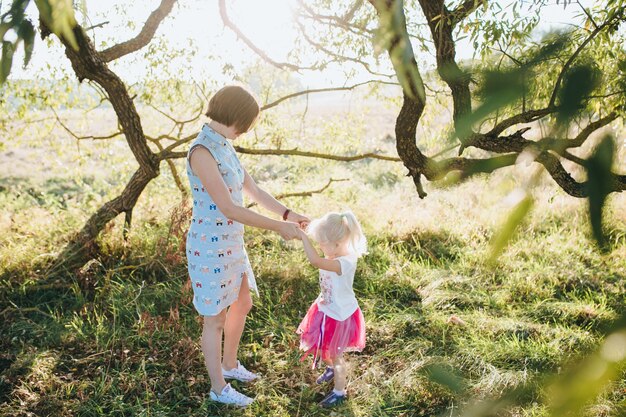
(121, 337)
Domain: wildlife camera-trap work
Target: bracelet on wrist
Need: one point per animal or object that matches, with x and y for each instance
(286, 214)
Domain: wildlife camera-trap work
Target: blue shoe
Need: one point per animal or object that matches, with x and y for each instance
(328, 375)
(332, 400)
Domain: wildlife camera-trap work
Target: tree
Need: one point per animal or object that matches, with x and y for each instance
(556, 81)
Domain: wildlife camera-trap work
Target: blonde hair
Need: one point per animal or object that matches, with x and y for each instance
(234, 105)
(336, 228)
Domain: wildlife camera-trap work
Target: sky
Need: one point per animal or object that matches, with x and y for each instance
(267, 22)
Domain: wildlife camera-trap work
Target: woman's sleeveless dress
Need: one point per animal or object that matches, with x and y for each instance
(216, 257)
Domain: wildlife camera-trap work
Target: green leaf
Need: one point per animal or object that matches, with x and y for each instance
(507, 230)
(572, 392)
(443, 375)
(59, 16)
(578, 83)
(598, 167)
(26, 31)
(499, 89)
(8, 48)
(392, 35)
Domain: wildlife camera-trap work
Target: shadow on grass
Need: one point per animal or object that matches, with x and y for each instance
(437, 248)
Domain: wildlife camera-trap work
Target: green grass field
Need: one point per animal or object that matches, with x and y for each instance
(121, 337)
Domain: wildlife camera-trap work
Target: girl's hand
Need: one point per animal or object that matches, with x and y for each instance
(302, 234)
(303, 221)
(288, 230)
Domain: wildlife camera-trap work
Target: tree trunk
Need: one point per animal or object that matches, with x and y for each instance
(83, 246)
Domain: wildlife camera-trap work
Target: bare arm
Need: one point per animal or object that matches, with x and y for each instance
(316, 260)
(267, 201)
(204, 166)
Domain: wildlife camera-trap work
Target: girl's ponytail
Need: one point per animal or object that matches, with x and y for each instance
(355, 233)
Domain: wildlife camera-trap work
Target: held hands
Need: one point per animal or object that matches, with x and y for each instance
(294, 227)
(288, 230)
(302, 221)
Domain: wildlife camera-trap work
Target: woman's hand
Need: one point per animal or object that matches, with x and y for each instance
(303, 221)
(288, 230)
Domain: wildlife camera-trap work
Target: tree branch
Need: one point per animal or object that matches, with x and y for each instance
(338, 57)
(88, 137)
(464, 9)
(228, 23)
(441, 24)
(304, 193)
(590, 128)
(145, 35)
(169, 154)
(88, 64)
(524, 117)
(321, 90)
(336, 21)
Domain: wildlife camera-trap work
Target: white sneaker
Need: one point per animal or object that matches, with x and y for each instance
(239, 373)
(230, 395)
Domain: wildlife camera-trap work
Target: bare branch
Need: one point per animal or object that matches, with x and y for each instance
(304, 193)
(296, 152)
(337, 56)
(561, 176)
(169, 154)
(341, 22)
(590, 128)
(170, 164)
(144, 37)
(174, 120)
(228, 23)
(321, 90)
(88, 64)
(88, 137)
(99, 25)
(525, 117)
(587, 14)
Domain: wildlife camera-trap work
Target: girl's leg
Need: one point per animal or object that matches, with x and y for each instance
(211, 343)
(235, 322)
(328, 373)
(341, 372)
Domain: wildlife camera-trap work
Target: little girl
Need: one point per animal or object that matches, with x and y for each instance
(334, 323)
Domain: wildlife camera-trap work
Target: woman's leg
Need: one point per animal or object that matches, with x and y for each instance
(235, 322)
(340, 373)
(211, 343)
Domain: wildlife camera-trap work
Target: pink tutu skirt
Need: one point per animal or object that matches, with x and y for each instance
(322, 336)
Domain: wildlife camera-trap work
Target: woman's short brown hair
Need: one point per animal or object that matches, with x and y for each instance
(234, 106)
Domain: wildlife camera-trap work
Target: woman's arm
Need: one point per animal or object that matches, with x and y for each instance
(267, 201)
(316, 260)
(204, 166)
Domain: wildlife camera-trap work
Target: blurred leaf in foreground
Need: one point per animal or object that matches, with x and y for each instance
(507, 230)
(392, 35)
(15, 27)
(598, 167)
(578, 83)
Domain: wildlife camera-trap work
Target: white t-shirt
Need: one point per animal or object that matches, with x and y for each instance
(337, 298)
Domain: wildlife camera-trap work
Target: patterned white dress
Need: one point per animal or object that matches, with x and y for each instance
(216, 256)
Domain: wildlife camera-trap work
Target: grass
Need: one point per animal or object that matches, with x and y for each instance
(121, 336)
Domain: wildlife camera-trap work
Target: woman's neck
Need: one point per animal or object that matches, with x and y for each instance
(220, 128)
